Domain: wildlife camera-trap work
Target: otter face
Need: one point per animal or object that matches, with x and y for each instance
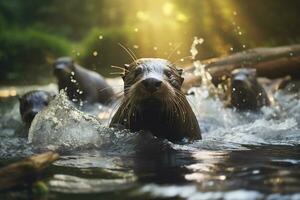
(63, 66)
(246, 92)
(152, 79)
(242, 79)
(33, 102)
(153, 101)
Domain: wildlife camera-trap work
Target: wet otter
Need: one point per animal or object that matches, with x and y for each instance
(33, 102)
(245, 93)
(81, 85)
(153, 101)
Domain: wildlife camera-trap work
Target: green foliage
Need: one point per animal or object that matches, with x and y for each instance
(50, 24)
(24, 53)
(2, 23)
(101, 49)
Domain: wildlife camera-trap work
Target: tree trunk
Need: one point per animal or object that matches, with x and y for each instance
(271, 62)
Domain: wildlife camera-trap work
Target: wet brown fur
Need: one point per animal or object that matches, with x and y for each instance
(166, 113)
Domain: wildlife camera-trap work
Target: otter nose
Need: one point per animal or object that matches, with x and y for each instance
(152, 84)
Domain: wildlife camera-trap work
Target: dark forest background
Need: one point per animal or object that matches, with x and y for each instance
(35, 32)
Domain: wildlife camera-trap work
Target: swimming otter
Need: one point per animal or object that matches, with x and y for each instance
(33, 102)
(245, 93)
(81, 84)
(153, 101)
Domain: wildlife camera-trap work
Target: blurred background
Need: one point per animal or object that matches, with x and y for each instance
(35, 32)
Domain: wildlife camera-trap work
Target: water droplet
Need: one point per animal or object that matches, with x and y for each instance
(72, 73)
(194, 50)
(231, 48)
(95, 53)
(178, 52)
(100, 37)
(291, 53)
(244, 46)
(135, 46)
(240, 33)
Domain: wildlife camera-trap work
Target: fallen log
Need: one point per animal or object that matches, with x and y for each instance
(26, 171)
(273, 62)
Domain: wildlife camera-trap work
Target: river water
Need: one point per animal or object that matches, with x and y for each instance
(242, 155)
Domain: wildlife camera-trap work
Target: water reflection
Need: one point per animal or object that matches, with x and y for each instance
(237, 159)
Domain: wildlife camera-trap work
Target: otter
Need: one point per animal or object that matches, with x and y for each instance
(153, 101)
(81, 85)
(33, 102)
(245, 93)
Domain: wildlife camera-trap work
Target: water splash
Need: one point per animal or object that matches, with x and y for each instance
(206, 78)
(62, 125)
(273, 125)
(96, 158)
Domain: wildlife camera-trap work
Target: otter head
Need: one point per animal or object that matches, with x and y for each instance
(246, 92)
(63, 67)
(33, 102)
(152, 79)
(243, 79)
(153, 101)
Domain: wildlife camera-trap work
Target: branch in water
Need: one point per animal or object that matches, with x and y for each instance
(26, 171)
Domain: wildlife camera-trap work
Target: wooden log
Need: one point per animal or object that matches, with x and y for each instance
(26, 171)
(274, 62)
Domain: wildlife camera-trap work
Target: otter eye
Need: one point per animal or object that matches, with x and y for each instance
(168, 73)
(138, 71)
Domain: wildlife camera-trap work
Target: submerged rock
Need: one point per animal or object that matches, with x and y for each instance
(61, 125)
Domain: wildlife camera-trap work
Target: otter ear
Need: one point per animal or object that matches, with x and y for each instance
(180, 71)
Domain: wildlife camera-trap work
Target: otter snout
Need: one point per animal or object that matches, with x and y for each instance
(152, 84)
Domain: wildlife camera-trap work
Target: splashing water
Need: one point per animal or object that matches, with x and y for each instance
(200, 69)
(242, 155)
